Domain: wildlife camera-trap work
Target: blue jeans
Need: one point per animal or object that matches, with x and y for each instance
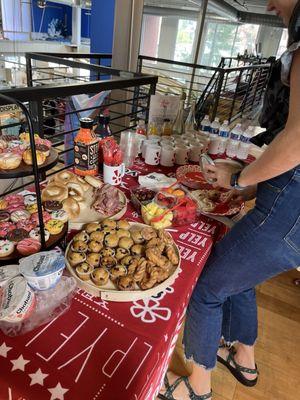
(263, 244)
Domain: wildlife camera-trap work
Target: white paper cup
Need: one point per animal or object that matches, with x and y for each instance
(181, 155)
(113, 175)
(154, 138)
(147, 142)
(152, 156)
(195, 152)
(167, 157)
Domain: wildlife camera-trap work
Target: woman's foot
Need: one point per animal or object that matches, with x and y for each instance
(241, 357)
(181, 392)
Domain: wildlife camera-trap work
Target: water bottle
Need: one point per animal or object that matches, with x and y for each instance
(223, 137)
(234, 141)
(213, 147)
(245, 143)
(205, 125)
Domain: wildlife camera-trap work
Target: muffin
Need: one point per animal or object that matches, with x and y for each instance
(107, 252)
(76, 258)
(95, 247)
(117, 271)
(111, 240)
(92, 227)
(108, 262)
(137, 250)
(84, 271)
(123, 233)
(137, 236)
(126, 243)
(93, 259)
(97, 236)
(100, 276)
(79, 246)
(121, 253)
(83, 236)
(109, 223)
(123, 224)
(125, 283)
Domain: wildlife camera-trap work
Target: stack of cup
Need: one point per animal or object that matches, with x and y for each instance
(129, 144)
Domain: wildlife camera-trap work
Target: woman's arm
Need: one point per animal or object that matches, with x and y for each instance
(282, 154)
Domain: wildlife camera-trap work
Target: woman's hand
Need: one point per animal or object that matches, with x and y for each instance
(220, 174)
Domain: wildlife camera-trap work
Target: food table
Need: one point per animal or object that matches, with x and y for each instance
(106, 350)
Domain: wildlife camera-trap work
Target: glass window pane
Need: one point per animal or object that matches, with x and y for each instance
(185, 40)
(245, 39)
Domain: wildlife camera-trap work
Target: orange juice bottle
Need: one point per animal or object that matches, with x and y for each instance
(86, 148)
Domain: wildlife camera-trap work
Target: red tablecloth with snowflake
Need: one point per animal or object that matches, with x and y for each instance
(107, 351)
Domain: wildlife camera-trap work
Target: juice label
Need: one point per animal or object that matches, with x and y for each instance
(86, 156)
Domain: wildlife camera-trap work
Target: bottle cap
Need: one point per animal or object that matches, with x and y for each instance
(86, 123)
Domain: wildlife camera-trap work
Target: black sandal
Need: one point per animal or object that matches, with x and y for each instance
(171, 388)
(236, 369)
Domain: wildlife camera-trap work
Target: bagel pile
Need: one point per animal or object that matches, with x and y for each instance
(70, 190)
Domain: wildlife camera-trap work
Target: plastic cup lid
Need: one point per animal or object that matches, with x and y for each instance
(15, 296)
(42, 264)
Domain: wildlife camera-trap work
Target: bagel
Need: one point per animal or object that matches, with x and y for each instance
(85, 186)
(95, 182)
(71, 207)
(64, 177)
(76, 191)
(55, 191)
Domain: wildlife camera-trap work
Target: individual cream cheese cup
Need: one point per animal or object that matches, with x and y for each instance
(8, 272)
(17, 300)
(42, 270)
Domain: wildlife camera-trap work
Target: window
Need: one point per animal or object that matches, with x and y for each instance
(150, 35)
(245, 39)
(185, 40)
(283, 43)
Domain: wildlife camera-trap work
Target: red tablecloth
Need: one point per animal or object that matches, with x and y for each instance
(107, 351)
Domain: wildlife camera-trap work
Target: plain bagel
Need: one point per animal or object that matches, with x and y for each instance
(71, 207)
(55, 191)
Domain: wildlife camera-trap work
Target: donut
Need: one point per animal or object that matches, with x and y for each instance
(4, 216)
(19, 215)
(28, 246)
(71, 207)
(29, 199)
(32, 208)
(15, 207)
(10, 161)
(36, 234)
(35, 217)
(54, 226)
(3, 204)
(27, 157)
(6, 248)
(14, 199)
(18, 234)
(52, 205)
(6, 227)
(26, 224)
(43, 149)
(55, 191)
(60, 215)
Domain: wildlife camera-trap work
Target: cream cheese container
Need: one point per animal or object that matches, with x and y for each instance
(8, 272)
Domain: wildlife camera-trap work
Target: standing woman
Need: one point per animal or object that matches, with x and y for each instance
(265, 243)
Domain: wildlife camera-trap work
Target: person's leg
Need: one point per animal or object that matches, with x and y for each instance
(260, 246)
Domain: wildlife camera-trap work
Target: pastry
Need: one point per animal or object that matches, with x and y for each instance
(43, 149)
(16, 235)
(94, 247)
(27, 157)
(81, 236)
(95, 182)
(55, 192)
(121, 253)
(52, 205)
(117, 271)
(140, 271)
(108, 262)
(54, 226)
(123, 233)
(165, 236)
(19, 215)
(123, 224)
(148, 233)
(153, 254)
(15, 207)
(147, 282)
(156, 242)
(76, 191)
(93, 227)
(6, 227)
(32, 208)
(100, 276)
(28, 246)
(137, 250)
(36, 234)
(93, 259)
(112, 240)
(4, 216)
(126, 260)
(60, 215)
(79, 246)
(3, 204)
(10, 161)
(6, 248)
(109, 223)
(97, 236)
(137, 236)
(71, 207)
(126, 243)
(85, 186)
(108, 231)
(84, 271)
(65, 177)
(26, 224)
(35, 218)
(107, 252)
(14, 199)
(172, 255)
(76, 258)
(125, 283)
(131, 268)
(29, 199)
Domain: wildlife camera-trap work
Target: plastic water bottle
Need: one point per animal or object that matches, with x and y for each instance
(213, 147)
(234, 141)
(205, 125)
(224, 135)
(245, 143)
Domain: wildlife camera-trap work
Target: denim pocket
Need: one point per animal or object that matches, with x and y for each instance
(267, 195)
(293, 237)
